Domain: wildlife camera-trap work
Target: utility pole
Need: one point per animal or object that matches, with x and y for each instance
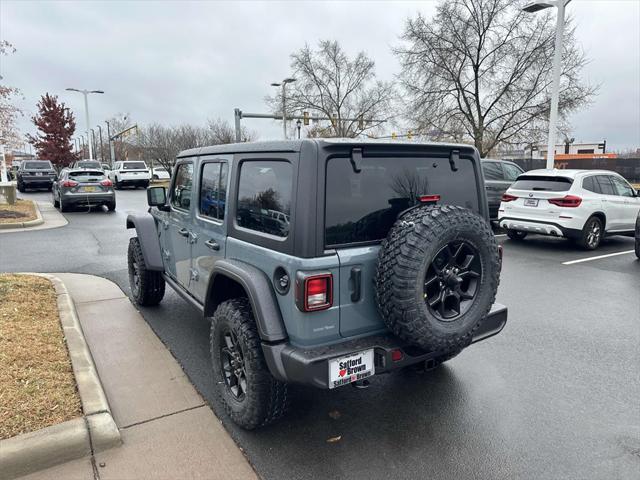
(86, 113)
(111, 149)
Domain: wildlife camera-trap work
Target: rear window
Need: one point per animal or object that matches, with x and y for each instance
(541, 183)
(362, 207)
(87, 176)
(37, 166)
(134, 166)
(89, 165)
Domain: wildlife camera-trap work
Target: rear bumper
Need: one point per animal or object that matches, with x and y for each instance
(540, 227)
(37, 181)
(311, 366)
(88, 198)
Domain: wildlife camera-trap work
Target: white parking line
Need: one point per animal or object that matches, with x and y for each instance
(597, 258)
(501, 235)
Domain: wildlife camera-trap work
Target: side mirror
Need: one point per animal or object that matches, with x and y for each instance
(157, 197)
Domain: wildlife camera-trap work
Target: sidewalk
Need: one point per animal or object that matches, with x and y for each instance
(168, 431)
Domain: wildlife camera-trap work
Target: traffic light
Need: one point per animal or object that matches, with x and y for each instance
(305, 118)
(409, 135)
(394, 136)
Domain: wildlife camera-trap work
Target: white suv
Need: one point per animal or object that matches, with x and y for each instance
(583, 205)
(130, 172)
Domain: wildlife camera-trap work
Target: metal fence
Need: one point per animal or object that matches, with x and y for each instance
(629, 168)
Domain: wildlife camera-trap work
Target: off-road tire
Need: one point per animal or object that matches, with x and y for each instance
(584, 240)
(403, 261)
(516, 235)
(149, 289)
(266, 399)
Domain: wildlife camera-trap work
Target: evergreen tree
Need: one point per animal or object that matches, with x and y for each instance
(56, 125)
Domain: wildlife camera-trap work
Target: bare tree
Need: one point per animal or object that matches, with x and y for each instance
(331, 84)
(480, 70)
(9, 112)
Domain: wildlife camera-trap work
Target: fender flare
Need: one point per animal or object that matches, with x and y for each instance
(260, 292)
(147, 233)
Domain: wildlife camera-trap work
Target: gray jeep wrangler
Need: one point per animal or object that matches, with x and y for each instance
(322, 262)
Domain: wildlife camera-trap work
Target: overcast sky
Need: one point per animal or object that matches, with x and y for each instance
(176, 62)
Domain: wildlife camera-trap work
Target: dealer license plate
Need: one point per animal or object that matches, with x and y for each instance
(350, 368)
(89, 189)
(530, 202)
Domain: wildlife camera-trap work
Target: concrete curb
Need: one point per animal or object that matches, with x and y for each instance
(30, 223)
(96, 431)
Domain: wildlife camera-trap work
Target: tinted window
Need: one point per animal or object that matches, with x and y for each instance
(134, 166)
(606, 187)
(492, 171)
(511, 172)
(87, 176)
(540, 183)
(362, 207)
(213, 190)
(88, 165)
(37, 165)
(590, 184)
(264, 197)
(181, 193)
(622, 187)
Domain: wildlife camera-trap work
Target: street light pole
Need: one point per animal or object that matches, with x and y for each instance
(93, 142)
(86, 113)
(557, 59)
(284, 102)
(101, 148)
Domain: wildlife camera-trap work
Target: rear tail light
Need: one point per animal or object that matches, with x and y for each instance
(106, 183)
(429, 198)
(69, 183)
(314, 291)
(570, 201)
(397, 355)
(508, 198)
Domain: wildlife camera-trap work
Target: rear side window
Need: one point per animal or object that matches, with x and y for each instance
(181, 194)
(623, 189)
(542, 183)
(213, 190)
(511, 172)
(134, 166)
(362, 207)
(264, 196)
(492, 171)
(591, 185)
(606, 187)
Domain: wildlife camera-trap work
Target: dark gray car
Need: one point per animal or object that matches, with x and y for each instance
(498, 177)
(88, 164)
(35, 174)
(80, 187)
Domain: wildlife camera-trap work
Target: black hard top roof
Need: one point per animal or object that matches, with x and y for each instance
(296, 145)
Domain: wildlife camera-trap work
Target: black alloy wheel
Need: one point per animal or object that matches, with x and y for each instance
(233, 365)
(452, 280)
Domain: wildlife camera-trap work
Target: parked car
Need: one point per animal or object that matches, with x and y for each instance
(130, 172)
(638, 236)
(498, 177)
(88, 164)
(106, 167)
(583, 205)
(35, 174)
(83, 187)
(160, 173)
(318, 262)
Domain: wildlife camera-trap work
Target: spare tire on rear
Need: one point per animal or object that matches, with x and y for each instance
(437, 276)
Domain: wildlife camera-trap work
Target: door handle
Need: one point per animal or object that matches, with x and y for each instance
(212, 245)
(183, 232)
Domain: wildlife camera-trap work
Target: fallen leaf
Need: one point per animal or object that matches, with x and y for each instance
(334, 439)
(335, 414)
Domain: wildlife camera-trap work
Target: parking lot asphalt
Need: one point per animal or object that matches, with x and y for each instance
(555, 395)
